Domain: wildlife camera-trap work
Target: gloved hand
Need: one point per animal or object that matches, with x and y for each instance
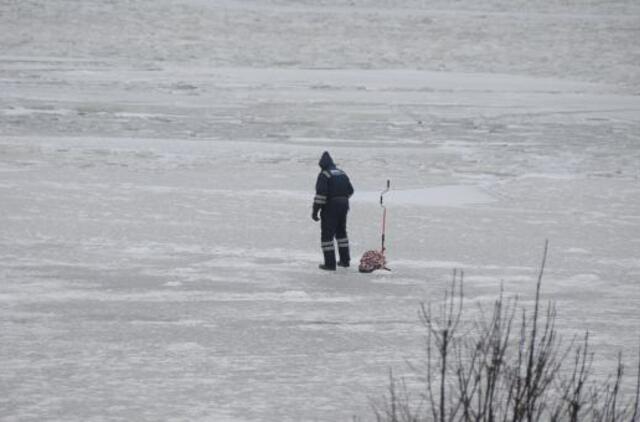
(314, 216)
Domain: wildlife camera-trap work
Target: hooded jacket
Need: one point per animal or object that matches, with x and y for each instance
(331, 184)
(326, 162)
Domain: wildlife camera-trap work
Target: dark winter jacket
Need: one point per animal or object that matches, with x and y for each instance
(332, 184)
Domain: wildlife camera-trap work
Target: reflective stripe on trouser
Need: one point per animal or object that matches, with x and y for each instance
(327, 246)
(343, 250)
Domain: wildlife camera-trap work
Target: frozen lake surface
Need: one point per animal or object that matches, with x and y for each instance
(157, 164)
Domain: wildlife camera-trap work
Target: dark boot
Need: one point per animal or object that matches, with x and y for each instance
(329, 261)
(345, 259)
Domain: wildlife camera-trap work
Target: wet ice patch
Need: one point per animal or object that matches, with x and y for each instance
(24, 111)
(552, 176)
(579, 251)
(185, 348)
(386, 278)
(481, 279)
(341, 141)
(451, 265)
(297, 296)
(355, 326)
(166, 296)
(582, 279)
(179, 322)
(408, 263)
(439, 196)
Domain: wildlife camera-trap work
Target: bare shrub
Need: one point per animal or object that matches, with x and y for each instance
(509, 365)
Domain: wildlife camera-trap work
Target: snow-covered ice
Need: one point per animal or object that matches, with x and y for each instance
(157, 162)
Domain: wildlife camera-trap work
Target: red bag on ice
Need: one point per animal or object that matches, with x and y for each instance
(371, 261)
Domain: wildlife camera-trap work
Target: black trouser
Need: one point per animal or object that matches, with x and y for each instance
(334, 225)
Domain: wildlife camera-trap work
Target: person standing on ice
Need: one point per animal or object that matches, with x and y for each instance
(333, 190)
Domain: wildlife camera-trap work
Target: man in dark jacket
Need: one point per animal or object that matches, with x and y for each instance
(333, 190)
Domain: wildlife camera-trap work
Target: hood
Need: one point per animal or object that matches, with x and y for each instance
(326, 162)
